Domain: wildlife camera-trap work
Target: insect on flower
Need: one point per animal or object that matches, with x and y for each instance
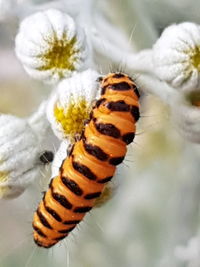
(92, 161)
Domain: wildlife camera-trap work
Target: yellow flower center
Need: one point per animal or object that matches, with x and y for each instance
(3, 177)
(72, 118)
(195, 57)
(62, 55)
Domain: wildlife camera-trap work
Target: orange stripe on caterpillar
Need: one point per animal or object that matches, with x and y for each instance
(91, 163)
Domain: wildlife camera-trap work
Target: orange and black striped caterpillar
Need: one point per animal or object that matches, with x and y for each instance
(91, 162)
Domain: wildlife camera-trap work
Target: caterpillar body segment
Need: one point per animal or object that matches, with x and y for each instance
(91, 162)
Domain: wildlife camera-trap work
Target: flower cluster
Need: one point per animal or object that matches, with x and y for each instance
(52, 47)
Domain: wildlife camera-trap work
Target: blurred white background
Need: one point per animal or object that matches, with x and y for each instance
(154, 211)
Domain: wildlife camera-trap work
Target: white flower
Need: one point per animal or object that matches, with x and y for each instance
(186, 115)
(22, 157)
(18, 153)
(50, 46)
(176, 56)
(71, 103)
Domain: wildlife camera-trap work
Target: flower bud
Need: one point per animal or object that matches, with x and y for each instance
(70, 104)
(50, 46)
(176, 56)
(22, 158)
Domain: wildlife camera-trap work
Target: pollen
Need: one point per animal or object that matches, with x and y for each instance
(73, 117)
(62, 55)
(50, 45)
(3, 177)
(195, 57)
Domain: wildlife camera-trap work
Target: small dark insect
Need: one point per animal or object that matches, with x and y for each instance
(46, 157)
(99, 79)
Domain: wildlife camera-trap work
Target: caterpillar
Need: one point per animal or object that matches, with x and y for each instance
(91, 162)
